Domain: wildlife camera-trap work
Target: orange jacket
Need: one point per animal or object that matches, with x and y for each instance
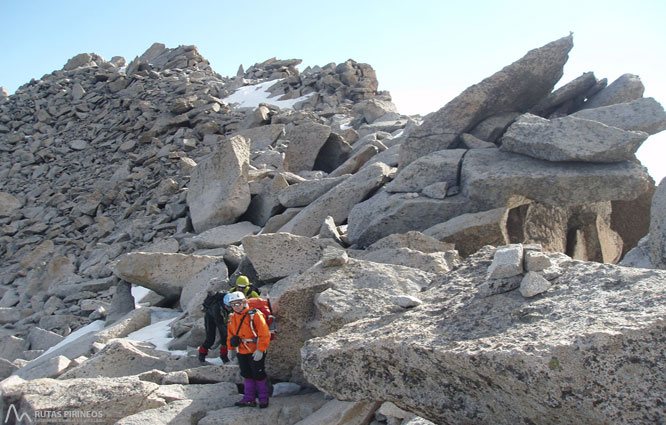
(261, 332)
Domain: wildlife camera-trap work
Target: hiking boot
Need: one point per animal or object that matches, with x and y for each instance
(263, 405)
(245, 403)
(202, 357)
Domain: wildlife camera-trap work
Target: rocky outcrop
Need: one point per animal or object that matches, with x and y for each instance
(219, 192)
(501, 358)
(469, 231)
(570, 139)
(517, 87)
(104, 400)
(165, 274)
(626, 88)
(279, 255)
(304, 193)
(339, 201)
(643, 114)
(323, 299)
(306, 141)
(492, 179)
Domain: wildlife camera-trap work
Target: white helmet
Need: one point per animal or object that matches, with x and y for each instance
(236, 296)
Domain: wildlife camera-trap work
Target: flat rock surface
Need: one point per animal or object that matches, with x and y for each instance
(584, 351)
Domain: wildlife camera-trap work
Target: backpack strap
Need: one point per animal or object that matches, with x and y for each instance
(240, 324)
(250, 313)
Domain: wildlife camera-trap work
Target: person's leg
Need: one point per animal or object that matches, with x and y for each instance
(250, 390)
(209, 325)
(259, 374)
(222, 330)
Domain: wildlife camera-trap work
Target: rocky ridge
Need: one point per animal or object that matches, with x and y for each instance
(150, 174)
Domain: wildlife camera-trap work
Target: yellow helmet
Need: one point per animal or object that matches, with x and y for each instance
(242, 281)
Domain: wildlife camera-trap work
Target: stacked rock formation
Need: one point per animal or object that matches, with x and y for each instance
(353, 218)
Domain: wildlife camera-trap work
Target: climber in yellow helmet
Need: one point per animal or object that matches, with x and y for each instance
(243, 285)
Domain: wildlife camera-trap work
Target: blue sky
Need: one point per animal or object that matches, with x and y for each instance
(424, 52)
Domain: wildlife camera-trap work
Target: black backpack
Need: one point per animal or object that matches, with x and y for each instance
(212, 300)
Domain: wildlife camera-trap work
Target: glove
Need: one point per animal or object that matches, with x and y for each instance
(257, 355)
(232, 355)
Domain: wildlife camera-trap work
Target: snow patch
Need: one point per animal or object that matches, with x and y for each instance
(138, 292)
(252, 96)
(158, 332)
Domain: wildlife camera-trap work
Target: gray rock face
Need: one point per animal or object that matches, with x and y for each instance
(305, 141)
(470, 231)
(51, 368)
(277, 255)
(323, 299)
(304, 193)
(472, 142)
(165, 274)
(106, 398)
(517, 87)
(12, 347)
(41, 339)
(219, 191)
(282, 410)
(504, 359)
(657, 237)
(413, 240)
(436, 262)
(132, 321)
(222, 236)
(639, 256)
(263, 136)
(8, 204)
(492, 177)
(186, 404)
(212, 277)
(440, 166)
(385, 214)
(533, 284)
(626, 88)
(342, 412)
(570, 139)
(9, 315)
(374, 109)
(569, 93)
(338, 201)
(507, 262)
(121, 304)
(112, 361)
(356, 161)
(490, 129)
(6, 368)
(644, 114)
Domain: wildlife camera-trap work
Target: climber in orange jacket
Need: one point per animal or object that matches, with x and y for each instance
(248, 338)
